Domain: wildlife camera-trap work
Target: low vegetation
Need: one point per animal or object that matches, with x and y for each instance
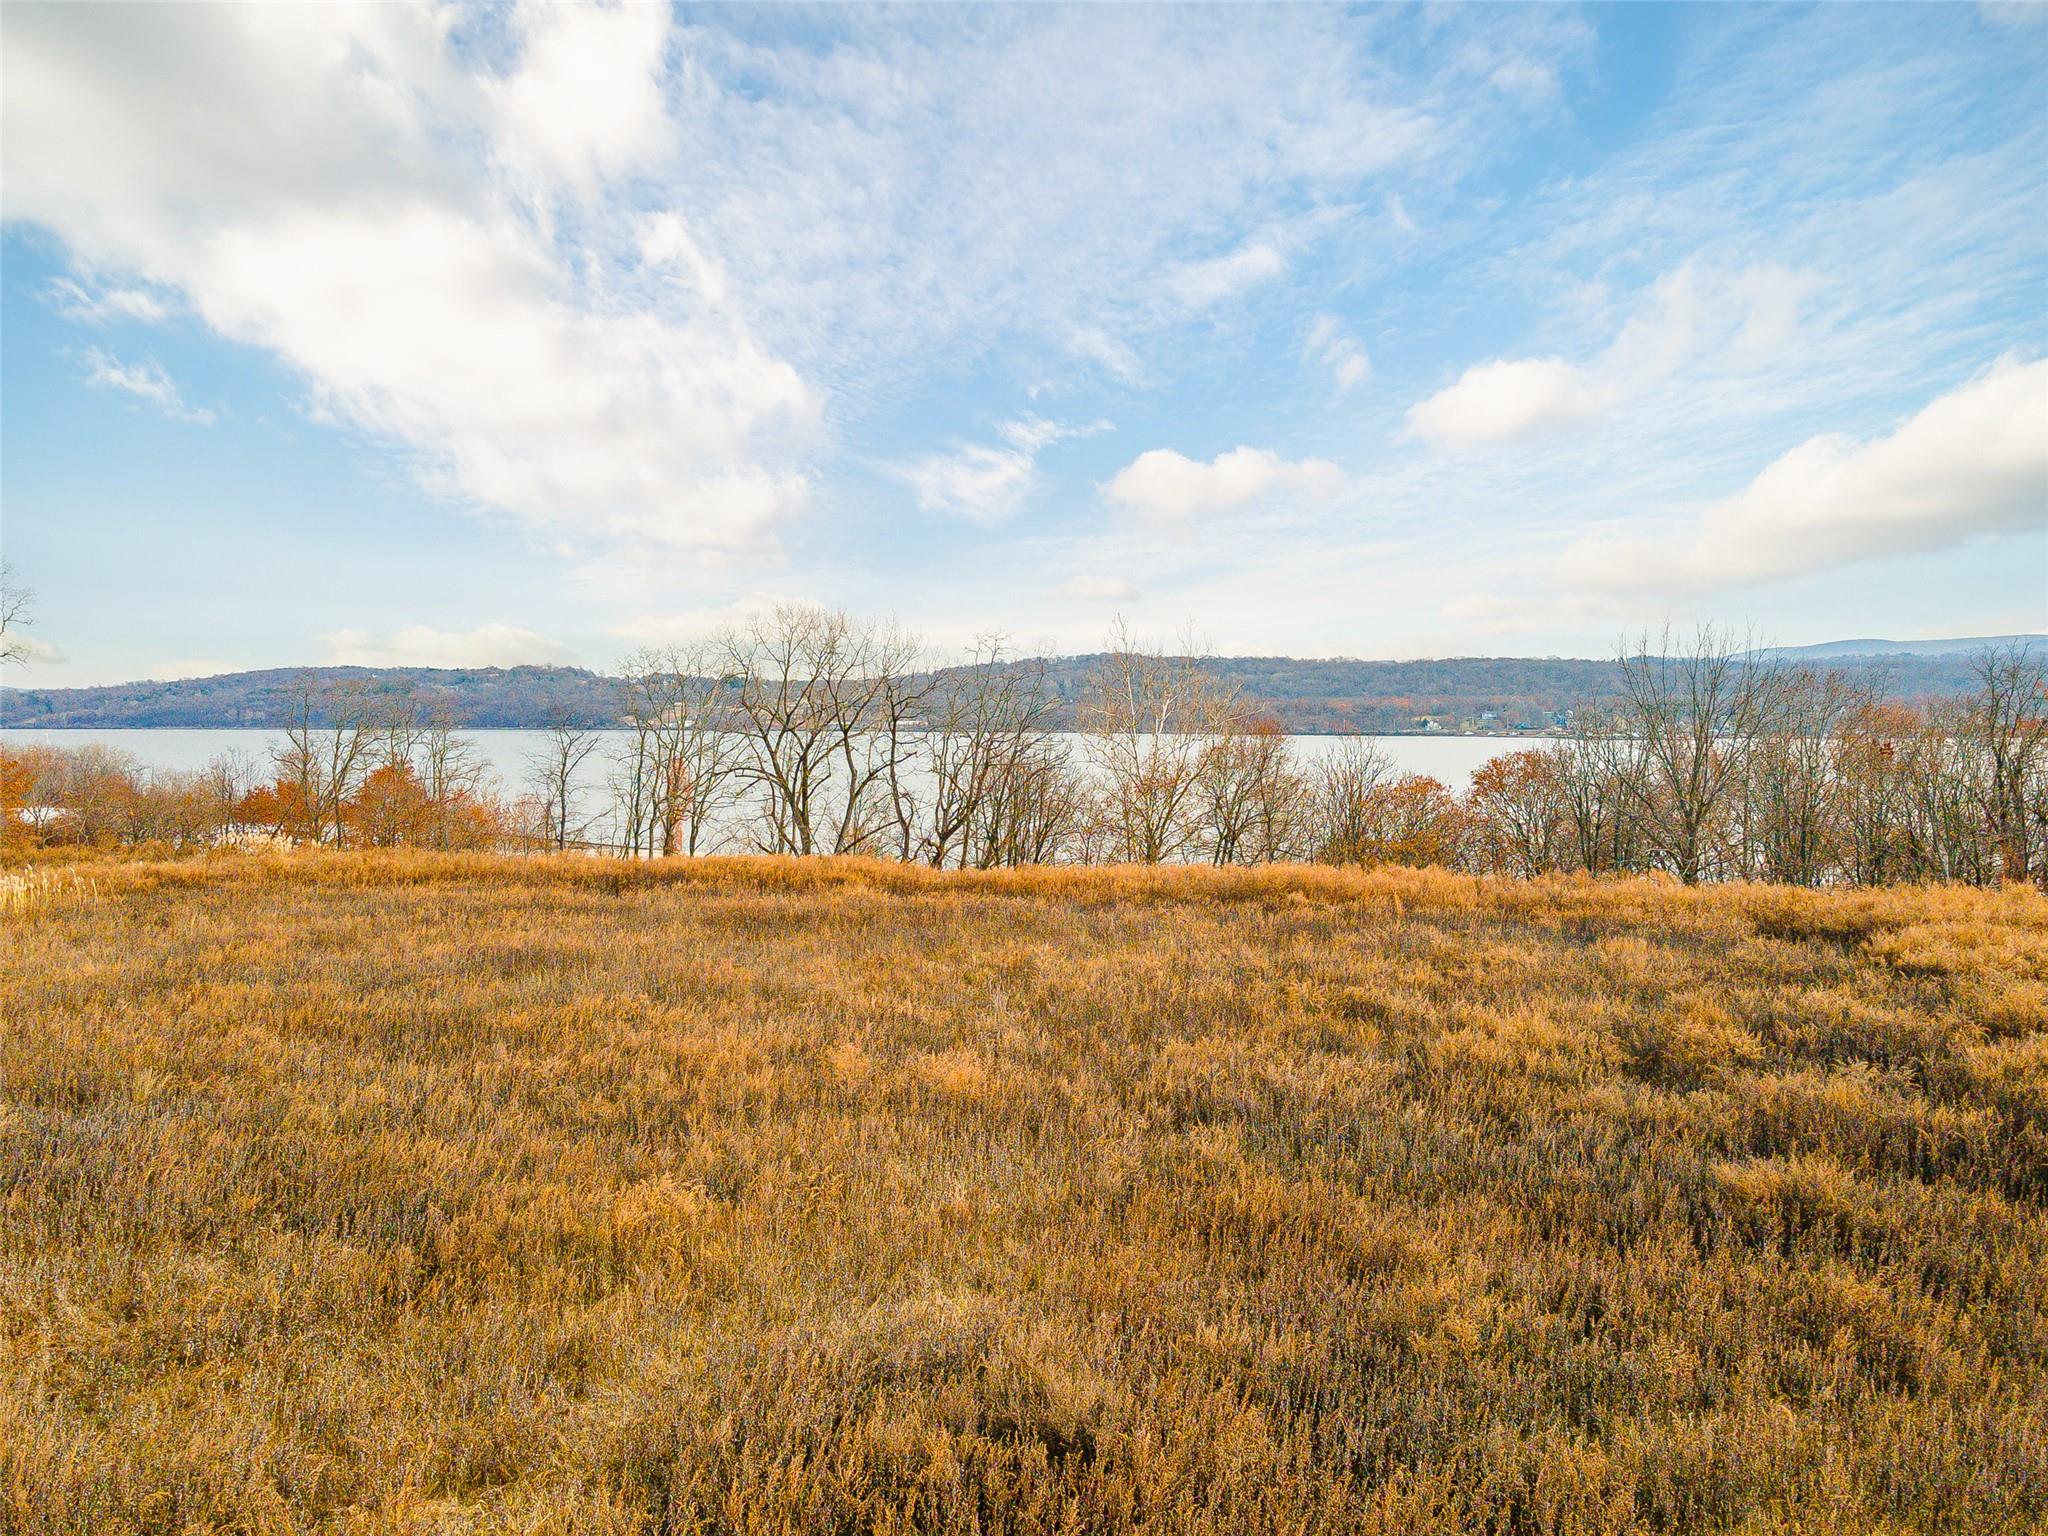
(808, 732)
(400, 1191)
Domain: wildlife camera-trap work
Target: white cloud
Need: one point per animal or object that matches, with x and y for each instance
(986, 483)
(1689, 314)
(145, 381)
(1114, 357)
(980, 483)
(1168, 485)
(584, 103)
(1331, 345)
(1099, 589)
(1972, 462)
(1499, 401)
(74, 301)
(419, 645)
(402, 233)
(1204, 284)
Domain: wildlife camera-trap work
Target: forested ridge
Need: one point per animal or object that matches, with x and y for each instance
(1308, 697)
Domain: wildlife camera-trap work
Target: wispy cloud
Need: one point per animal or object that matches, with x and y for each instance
(1337, 350)
(1204, 284)
(74, 301)
(988, 483)
(145, 381)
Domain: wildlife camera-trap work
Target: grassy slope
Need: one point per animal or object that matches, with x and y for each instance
(409, 1194)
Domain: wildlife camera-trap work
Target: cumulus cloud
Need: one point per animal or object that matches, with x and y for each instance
(1500, 401)
(1169, 486)
(419, 645)
(988, 483)
(1973, 462)
(584, 103)
(1335, 348)
(145, 381)
(403, 234)
(1689, 311)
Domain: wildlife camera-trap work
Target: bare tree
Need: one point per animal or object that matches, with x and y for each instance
(1036, 810)
(450, 774)
(2006, 728)
(1597, 765)
(1872, 763)
(1693, 712)
(1149, 721)
(1345, 785)
(825, 704)
(1793, 803)
(1248, 794)
(226, 780)
(1943, 825)
(331, 735)
(641, 773)
(988, 736)
(772, 665)
(554, 776)
(17, 614)
(684, 753)
(877, 738)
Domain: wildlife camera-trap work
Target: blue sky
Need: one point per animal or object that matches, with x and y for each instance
(458, 336)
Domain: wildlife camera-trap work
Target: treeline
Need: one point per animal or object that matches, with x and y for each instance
(1336, 696)
(810, 732)
(476, 698)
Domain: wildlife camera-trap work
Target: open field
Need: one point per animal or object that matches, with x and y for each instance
(383, 1193)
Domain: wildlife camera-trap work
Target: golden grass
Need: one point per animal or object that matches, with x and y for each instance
(408, 1193)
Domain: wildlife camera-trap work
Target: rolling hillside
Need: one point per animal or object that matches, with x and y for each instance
(1307, 696)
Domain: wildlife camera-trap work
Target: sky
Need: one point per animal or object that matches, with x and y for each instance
(478, 336)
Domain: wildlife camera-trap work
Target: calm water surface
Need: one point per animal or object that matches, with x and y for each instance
(1451, 759)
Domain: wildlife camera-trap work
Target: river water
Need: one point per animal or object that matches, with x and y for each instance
(507, 754)
(1451, 759)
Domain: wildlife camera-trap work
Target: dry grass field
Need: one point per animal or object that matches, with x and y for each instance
(374, 1193)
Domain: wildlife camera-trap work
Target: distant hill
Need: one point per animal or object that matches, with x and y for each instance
(1837, 648)
(1478, 693)
(476, 697)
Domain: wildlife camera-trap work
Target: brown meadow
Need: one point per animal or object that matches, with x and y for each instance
(413, 1192)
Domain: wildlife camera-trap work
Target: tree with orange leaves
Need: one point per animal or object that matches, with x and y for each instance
(1520, 822)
